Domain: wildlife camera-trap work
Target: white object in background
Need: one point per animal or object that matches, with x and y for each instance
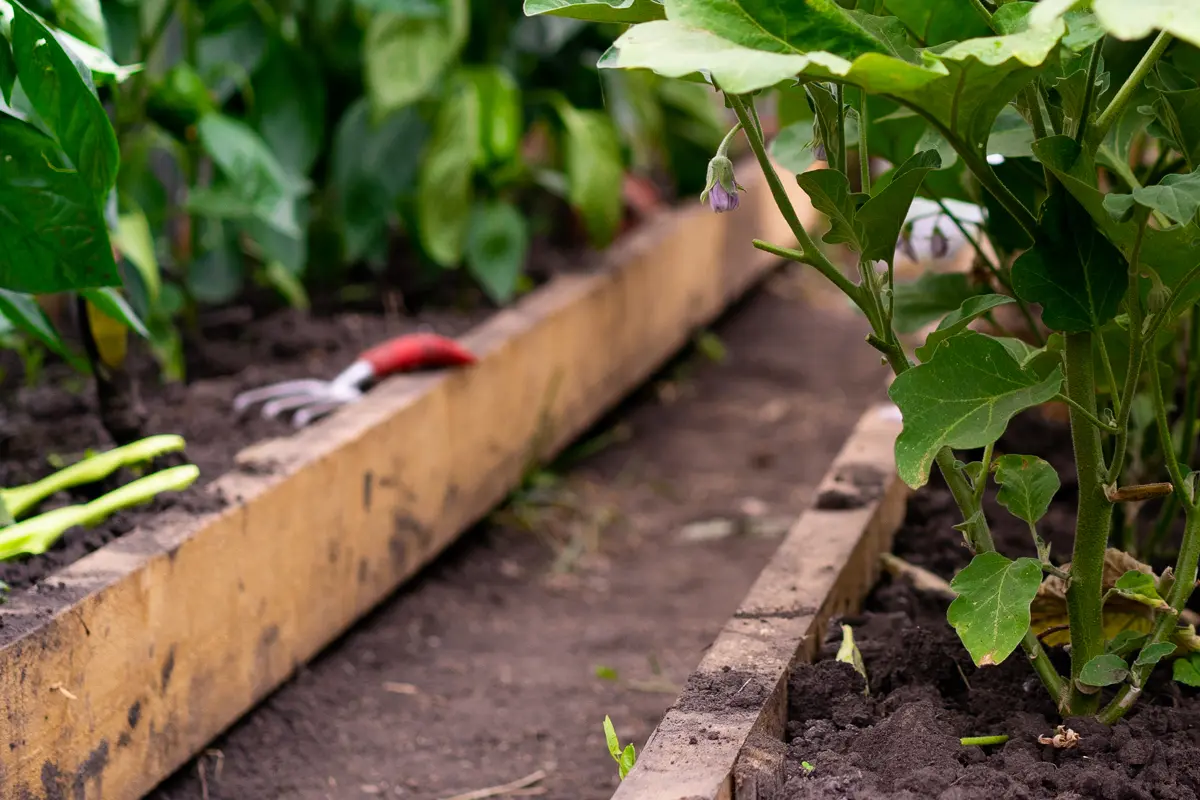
(926, 223)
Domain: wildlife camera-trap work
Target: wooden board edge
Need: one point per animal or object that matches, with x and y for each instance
(734, 704)
(117, 669)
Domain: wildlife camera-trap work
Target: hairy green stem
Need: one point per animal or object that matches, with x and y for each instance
(1093, 519)
(1110, 377)
(1170, 509)
(1133, 371)
(1121, 99)
(1164, 431)
(812, 254)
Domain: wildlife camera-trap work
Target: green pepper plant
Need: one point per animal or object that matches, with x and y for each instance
(1075, 127)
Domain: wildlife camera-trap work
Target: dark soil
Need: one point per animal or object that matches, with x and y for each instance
(234, 349)
(902, 740)
(484, 669)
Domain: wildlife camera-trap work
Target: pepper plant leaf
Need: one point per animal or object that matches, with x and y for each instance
(28, 317)
(1107, 669)
(991, 612)
(67, 102)
(963, 397)
(53, 237)
(594, 170)
(404, 55)
(1027, 485)
(1073, 271)
(496, 246)
(444, 183)
(599, 10)
(956, 321)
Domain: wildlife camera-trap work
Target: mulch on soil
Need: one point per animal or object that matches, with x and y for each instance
(901, 742)
(484, 669)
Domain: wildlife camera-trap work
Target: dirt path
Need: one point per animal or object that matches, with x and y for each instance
(485, 670)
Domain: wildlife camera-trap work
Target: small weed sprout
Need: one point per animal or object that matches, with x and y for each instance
(625, 758)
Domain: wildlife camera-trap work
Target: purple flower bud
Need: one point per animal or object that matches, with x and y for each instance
(721, 193)
(939, 245)
(905, 246)
(819, 152)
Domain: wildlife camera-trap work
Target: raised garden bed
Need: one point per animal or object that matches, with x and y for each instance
(771, 713)
(120, 665)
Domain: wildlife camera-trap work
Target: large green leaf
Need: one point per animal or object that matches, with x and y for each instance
(1128, 20)
(84, 19)
(936, 22)
(289, 107)
(27, 316)
(500, 115)
(66, 102)
(933, 295)
(1108, 669)
(778, 26)
(1177, 197)
(371, 165)
(991, 611)
(253, 174)
(405, 55)
(497, 243)
(594, 170)
(1073, 271)
(113, 305)
(52, 235)
(444, 188)
(98, 61)
(962, 89)
(971, 309)
(1027, 485)
(963, 397)
(599, 10)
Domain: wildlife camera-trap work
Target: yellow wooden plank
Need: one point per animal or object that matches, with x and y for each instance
(119, 668)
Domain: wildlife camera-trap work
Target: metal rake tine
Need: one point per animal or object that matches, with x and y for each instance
(317, 409)
(282, 405)
(311, 387)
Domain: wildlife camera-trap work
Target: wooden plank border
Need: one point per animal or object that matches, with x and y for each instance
(117, 669)
(723, 737)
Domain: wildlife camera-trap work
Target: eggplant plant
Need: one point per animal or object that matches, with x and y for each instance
(1075, 127)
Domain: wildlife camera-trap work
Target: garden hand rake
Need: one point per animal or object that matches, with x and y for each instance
(311, 398)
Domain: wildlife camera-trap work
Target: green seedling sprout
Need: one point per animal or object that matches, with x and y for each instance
(848, 653)
(21, 499)
(807, 766)
(625, 758)
(36, 535)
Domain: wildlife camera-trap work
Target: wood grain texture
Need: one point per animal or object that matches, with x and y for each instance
(714, 738)
(119, 668)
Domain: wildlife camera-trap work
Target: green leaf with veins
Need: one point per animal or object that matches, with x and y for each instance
(779, 26)
(1129, 21)
(1154, 653)
(963, 397)
(598, 10)
(1177, 197)
(53, 237)
(1104, 670)
(1178, 111)
(991, 611)
(1170, 252)
(830, 193)
(1141, 588)
(933, 295)
(404, 56)
(1125, 642)
(889, 32)
(1187, 670)
(67, 102)
(882, 217)
(935, 23)
(792, 147)
(1075, 273)
(1027, 485)
(971, 309)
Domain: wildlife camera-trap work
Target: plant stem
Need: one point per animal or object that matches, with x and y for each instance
(812, 254)
(987, 464)
(1133, 371)
(984, 14)
(1110, 377)
(839, 98)
(1177, 598)
(1093, 519)
(983, 741)
(1088, 415)
(1089, 91)
(1170, 509)
(1164, 432)
(1131, 84)
(723, 147)
(864, 154)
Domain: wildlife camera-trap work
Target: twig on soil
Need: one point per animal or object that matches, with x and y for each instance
(510, 789)
(64, 691)
(982, 741)
(922, 579)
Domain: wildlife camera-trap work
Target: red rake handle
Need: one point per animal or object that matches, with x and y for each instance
(416, 351)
